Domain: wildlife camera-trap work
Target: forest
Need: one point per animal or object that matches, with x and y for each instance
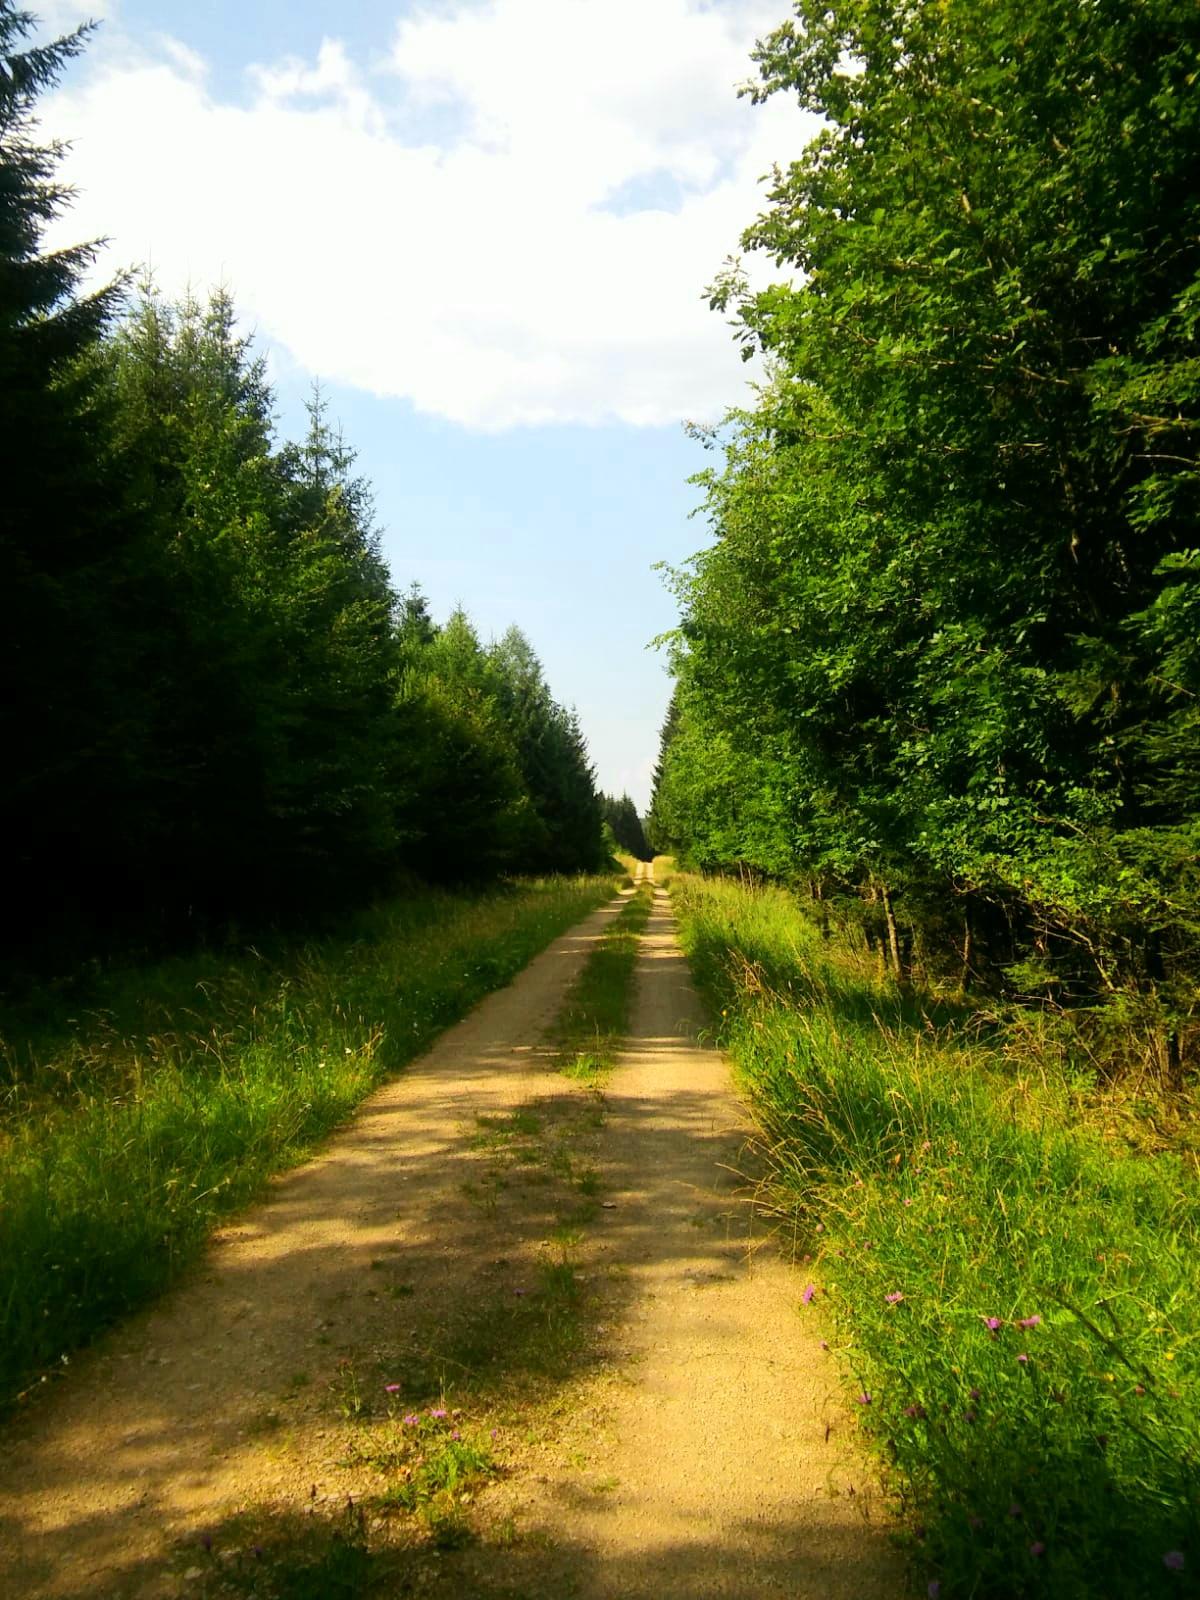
(918, 1016)
(218, 709)
(939, 666)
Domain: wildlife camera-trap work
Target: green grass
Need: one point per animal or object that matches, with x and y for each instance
(588, 1032)
(1012, 1284)
(139, 1107)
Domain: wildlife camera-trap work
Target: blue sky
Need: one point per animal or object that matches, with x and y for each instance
(486, 226)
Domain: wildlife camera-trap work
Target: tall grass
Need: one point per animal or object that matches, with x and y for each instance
(135, 1114)
(1014, 1289)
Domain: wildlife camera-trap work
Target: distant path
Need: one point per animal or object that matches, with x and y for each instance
(700, 1449)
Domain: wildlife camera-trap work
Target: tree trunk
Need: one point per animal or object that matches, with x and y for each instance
(893, 934)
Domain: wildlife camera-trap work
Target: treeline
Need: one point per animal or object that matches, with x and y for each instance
(215, 705)
(623, 822)
(942, 663)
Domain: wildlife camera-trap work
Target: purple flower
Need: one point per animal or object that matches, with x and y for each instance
(1173, 1561)
(1037, 1548)
(1029, 1322)
(915, 1410)
(809, 1291)
(411, 1420)
(864, 1399)
(392, 1388)
(894, 1298)
(968, 1416)
(439, 1413)
(1023, 1357)
(908, 1202)
(824, 1344)
(974, 1394)
(992, 1324)
(520, 1291)
(456, 1434)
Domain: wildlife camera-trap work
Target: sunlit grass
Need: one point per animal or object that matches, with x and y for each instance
(1013, 1290)
(589, 1030)
(136, 1114)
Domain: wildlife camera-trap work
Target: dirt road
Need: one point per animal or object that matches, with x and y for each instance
(675, 1431)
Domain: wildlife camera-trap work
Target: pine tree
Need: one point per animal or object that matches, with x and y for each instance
(69, 697)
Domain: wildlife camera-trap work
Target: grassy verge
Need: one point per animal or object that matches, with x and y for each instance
(133, 1117)
(595, 1017)
(1012, 1283)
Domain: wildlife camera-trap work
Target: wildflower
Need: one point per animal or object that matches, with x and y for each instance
(992, 1324)
(824, 1344)
(894, 1298)
(1173, 1561)
(439, 1413)
(1139, 1388)
(968, 1416)
(908, 1200)
(456, 1434)
(494, 1432)
(411, 1420)
(520, 1291)
(916, 1410)
(1029, 1322)
(392, 1388)
(974, 1394)
(1023, 1358)
(809, 1291)
(864, 1399)
(1037, 1548)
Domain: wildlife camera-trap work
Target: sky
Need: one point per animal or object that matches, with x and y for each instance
(486, 227)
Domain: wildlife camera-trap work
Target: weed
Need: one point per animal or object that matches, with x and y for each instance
(595, 1016)
(432, 1464)
(1013, 1291)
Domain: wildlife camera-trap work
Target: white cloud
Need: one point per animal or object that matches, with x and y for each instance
(437, 228)
(56, 17)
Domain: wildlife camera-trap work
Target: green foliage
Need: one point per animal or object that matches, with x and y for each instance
(942, 645)
(138, 1107)
(626, 826)
(1011, 1284)
(215, 706)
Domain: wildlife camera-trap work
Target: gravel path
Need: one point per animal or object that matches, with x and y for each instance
(695, 1445)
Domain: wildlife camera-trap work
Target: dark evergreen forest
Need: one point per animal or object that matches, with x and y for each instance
(628, 832)
(940, 666)
(216, 706)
